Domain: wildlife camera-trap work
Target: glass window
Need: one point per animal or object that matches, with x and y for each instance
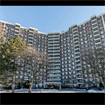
(100, 24)
(81, 39)
(90, 36)
(81, 42)
(102, 32)
(99, 21)
(81, 36)
(102, 36)
(85, 38)
(80, 32)
(89, 28)
(90, 33)
(91, 40)
(91, 43)
(84, 34)
(101, 28)
(103, 40)
(82, 46)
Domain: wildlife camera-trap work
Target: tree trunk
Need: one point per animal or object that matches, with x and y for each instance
(13, 83)
(30, 87)
(104, 83)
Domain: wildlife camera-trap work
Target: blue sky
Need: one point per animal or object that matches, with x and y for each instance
(49, 18)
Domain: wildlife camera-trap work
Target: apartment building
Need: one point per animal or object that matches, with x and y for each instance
(65, 50)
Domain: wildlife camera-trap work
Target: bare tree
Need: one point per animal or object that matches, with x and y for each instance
(33, 62)
(95, 62)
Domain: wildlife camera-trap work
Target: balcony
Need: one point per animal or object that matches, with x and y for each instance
(54, 67)
(75, 28)
(52, 36)
(97, 43)
(17, 27)
(31, 35)
(95, 31)
(94, 23)
(76, 31)
(77, 56)
(53, 39)
(17, 30)
(76, 38)
(78, 73)
(76, 48)
(30, 40)
(31, 31)
(96, 34)
(79, 69)
(97, 39)
(76, 41)
(76, 44)
(53, 50)
(54, 61)
(77, 52)
(77, 60)
(96, 27)
(53, 79)
(57, 71)
(56, 75)
(78, 64)
(94, 20)
(79, 77)
(54, 44)
(16, 34)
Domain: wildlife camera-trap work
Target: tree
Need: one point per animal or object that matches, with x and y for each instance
(95, 60)
(9, 56)
(33, 60)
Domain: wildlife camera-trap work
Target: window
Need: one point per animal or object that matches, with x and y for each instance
(91, 40)
(72, 59)
(102, 32)
(86, 49)
(90, 33)
(89, 28)
(99, 18)
(81, 42)
(85, 38)
(100, 24)
(80, 32)
(102, 36)
(81, 39)
(91, 43)
(103, 40)
(90, 36)
(92, 47)
(101, 28)
(81, 36)
(82, 50)
(84, 34)
(84, 28)
(82, 46)
(99, 21)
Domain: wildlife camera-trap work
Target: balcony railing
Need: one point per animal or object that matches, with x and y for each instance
(94, 23)
(94, 20)
(79, 69)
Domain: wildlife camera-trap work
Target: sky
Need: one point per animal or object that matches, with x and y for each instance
(49, 18)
